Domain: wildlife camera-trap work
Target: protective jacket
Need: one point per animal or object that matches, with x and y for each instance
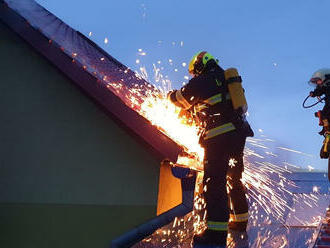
(324, 117)
(208, 97)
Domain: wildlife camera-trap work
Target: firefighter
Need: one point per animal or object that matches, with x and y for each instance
(321, 81)
(217, 98)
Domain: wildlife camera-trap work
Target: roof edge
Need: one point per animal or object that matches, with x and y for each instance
(162, 145)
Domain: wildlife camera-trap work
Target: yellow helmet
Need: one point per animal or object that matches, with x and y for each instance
(199, 61)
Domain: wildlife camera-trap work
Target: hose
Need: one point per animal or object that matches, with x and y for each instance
(309, 106)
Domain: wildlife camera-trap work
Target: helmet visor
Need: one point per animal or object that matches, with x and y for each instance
(191, 68)
(315, 81)
(192, 62)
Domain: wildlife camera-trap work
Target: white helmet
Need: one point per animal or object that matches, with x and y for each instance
(321, 76)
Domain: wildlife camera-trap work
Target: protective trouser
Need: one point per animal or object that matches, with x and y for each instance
(223, 167)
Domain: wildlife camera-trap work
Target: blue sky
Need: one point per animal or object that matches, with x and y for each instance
(276, 46)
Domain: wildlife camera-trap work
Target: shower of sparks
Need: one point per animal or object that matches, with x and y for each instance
(143, 72)
(267, 185)
(287, 165)
(141, 52)
(266, 182)
(294, 151)
(165, 115)
(268, 197)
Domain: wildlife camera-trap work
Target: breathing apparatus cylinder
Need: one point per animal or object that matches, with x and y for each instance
(236, 90)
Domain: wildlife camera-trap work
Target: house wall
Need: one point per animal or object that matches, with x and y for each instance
(70, 176)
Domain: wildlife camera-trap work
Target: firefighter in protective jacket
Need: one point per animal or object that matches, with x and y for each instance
(217, 98)
(321, 81)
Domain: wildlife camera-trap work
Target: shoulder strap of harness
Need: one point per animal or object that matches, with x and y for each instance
(234, 79)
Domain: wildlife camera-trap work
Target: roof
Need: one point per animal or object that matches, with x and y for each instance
(94, 71)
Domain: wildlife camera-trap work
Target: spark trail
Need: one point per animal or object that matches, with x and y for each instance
(265, 180)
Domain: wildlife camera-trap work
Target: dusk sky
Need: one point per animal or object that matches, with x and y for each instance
(276, 46)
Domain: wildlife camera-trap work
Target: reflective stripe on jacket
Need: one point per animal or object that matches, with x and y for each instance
(217, 226)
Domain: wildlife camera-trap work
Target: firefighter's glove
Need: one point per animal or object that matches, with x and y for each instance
(322, 132)
(169, 94)
(312, 94)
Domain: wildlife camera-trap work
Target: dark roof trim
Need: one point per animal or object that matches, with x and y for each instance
(163, 146)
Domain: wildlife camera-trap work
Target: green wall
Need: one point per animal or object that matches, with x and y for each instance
(51, 225)
(68, 173)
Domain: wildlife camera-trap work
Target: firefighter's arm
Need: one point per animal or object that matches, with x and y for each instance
(185, 97)
(319, 91)
(172, 97)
